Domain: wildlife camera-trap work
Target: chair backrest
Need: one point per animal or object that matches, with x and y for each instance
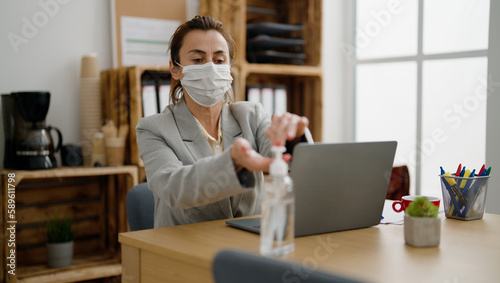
(399, 184)
(140, 207)
(237, 266)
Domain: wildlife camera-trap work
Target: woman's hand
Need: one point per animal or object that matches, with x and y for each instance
(286, 127)
(245, 157)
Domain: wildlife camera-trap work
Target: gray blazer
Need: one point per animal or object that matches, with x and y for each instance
(190, 184)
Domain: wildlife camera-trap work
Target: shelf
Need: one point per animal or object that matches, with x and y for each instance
(277, 57)
(257, 28)
(79, 171)
(121, 89)
(299, 69)
(94, 197)
(266, 42)
(82, 269)
(276, 69)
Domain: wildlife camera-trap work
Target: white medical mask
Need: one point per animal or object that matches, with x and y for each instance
(206, 84)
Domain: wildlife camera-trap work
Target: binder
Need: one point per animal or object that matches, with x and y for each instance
(273, 99)
(149, 102)
(267, 96)
(253, 94)
(164, 97)
(280, 100)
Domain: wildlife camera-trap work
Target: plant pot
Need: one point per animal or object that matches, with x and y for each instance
(59, 254)
(422, 231)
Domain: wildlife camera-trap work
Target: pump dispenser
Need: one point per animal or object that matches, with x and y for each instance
(278, 209)
(278, 168)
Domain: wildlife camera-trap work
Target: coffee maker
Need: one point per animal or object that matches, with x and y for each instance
(28, 142)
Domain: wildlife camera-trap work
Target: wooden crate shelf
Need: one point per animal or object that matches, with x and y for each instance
(303, 82)
(294, 70)
(121, 89)
(94, 197)
(86, 268)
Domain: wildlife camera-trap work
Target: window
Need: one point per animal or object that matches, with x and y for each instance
(420, 77)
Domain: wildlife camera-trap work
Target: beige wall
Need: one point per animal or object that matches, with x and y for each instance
(53, 36)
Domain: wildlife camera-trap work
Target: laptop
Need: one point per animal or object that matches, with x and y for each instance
(337, 186)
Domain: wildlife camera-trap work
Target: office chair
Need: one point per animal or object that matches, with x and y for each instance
(140, 207)
(231, 266)
(399, 184)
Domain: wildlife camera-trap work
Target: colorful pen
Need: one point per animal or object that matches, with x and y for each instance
(469, 183)
(482, 169)
(456, 192)
(459, 169)
(466, 174)
(450, 182)
(462, 185)
(462, 173)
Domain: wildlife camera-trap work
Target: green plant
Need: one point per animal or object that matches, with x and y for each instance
(59, 230)
(422, 207)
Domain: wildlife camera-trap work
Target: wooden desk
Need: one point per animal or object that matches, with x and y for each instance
(469, 252)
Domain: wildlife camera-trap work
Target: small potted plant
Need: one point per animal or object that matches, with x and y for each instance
(422, 226)
(60, 242)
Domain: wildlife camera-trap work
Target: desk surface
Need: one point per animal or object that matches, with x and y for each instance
(469, 250)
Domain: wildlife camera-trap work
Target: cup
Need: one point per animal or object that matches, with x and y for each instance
(98, 157)
(405, 201)
(115, 151)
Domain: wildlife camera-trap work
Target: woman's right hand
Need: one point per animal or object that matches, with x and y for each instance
(245, 157)
(286, 127)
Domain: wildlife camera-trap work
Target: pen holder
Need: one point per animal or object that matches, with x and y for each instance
(464, 198)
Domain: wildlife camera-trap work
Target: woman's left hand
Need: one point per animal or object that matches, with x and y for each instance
(244, 156)
(286, 127)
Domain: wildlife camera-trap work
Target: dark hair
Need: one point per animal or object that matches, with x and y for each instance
(204, 23)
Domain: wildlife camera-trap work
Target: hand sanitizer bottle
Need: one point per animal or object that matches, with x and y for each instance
(278, 209)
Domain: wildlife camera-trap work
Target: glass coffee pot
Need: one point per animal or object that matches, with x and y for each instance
(33, 144)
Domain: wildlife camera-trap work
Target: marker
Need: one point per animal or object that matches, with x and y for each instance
(481, 171)
(462, 184)
(463, 181)
(488, 171)
(469, 183)
(459, 169)
(448, 184)
(462, 174)
(456, 191)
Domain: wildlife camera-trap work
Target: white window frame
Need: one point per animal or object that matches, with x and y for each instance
(419, 58)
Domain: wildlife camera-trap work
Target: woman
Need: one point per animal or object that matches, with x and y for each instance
(199, 150)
